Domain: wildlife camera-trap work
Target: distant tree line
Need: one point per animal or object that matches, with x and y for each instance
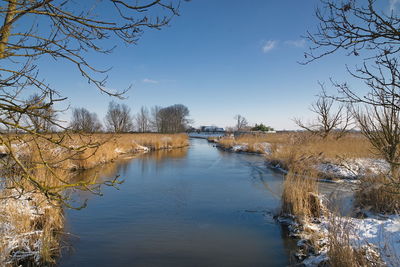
(118, 119)
(242, 125)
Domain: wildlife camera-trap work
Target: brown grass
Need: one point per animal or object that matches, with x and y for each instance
(253, 141)
(88, 151)
(300, 194)
(32, 220)
(378, 194)
(51, 165)
(340, 251)
(289, 147)
(113, 146)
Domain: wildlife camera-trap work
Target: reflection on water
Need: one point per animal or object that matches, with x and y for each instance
(159, 158)
(109, 170)
(118, 169)
(187, 207)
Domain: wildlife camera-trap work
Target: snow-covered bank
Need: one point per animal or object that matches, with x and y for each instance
(378, 236)
(375, 239)
(260, 148)
(27, 228)
(352, 168)
(22, 237)
(339, 168)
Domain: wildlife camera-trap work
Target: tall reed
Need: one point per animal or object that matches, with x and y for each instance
(300, 194)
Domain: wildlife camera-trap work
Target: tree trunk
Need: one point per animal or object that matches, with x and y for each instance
(5, 31)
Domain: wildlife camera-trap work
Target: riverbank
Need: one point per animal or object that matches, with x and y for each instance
(346, 241)
(349, 158)
(370, 235)
(30, 225)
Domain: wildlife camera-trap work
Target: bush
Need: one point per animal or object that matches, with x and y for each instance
(378, 194)
(262, 127)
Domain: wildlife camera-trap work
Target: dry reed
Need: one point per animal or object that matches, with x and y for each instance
(378, 194)
(31, 229)
(37, 223)
(300, 194)
(341, 251)
(286, 148)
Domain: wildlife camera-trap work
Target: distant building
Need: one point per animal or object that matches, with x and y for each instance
(211, 129)
(207, 132)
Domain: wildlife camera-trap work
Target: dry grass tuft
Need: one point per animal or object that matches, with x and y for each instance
(341, 253)
(31, 229)
(300, 194)
(378, 194)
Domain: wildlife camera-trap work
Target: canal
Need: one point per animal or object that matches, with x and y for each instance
(197, 206)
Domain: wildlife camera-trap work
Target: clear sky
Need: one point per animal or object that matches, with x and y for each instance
(219, 58)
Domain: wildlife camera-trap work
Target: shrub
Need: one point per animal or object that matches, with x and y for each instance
(378, 194)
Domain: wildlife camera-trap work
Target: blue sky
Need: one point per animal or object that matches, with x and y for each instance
(219, 58)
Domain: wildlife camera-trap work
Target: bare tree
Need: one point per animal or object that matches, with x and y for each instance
(118, 118)
(328, 118)
(381, 125)
(174, 119)
(241, 122)
(360, 27)
(85, 121)
(364, 30)
(356, 27)
(155, 120)
(143, 120)
(41, 115)
(378, 113)
(66, 30)
(35, 31)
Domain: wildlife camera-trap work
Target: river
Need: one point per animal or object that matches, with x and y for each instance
(197, 206)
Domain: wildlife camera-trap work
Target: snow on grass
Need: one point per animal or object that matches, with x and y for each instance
(378, 235)
(19, 243)
(262, 148)
(137, 148)
(142, 148)
(353, 168)
(240, 148)
(382, 234)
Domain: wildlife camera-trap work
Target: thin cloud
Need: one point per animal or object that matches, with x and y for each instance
(269, 45)
(297, 43)
(147, 80)
(392, 5)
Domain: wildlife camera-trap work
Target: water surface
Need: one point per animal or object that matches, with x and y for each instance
(197, 206)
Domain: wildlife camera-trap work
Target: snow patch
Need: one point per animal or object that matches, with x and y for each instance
(264, 148)
(240, 148)
(15, 245)
(379, 236)
(354, 168)
(142, 148)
